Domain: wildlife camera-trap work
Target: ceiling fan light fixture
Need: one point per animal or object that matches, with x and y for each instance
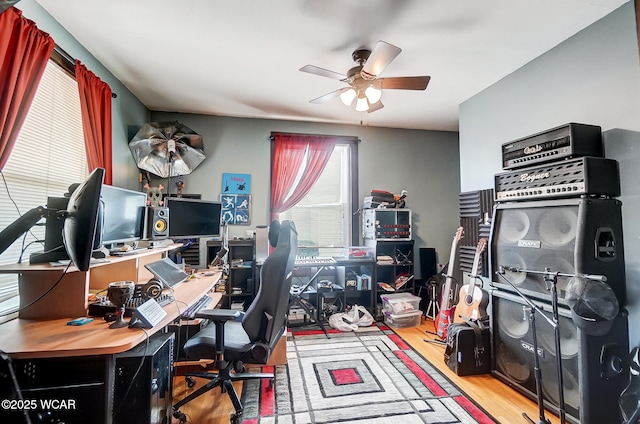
(373, 94)
(362, 105)
(348, 96)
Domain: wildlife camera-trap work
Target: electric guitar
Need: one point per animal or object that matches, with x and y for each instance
(447, 306)
(472, 300)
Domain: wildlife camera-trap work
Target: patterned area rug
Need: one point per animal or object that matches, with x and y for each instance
(370, 375)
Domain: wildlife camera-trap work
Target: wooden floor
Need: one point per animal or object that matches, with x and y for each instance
(503, 403)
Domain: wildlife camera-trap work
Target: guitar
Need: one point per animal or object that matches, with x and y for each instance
(472, 300)
(447, 306)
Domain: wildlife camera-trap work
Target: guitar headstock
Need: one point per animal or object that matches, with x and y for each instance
(482, 244)
(459, 233)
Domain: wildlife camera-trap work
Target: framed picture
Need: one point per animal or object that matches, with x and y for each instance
(236, 208)
(236, 183)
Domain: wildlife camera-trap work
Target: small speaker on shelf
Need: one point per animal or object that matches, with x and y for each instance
(156, 223)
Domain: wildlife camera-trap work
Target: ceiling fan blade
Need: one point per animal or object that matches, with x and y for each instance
(322, 72)
(376, 106)
(381, 55)
(329, 96)
(404, 83)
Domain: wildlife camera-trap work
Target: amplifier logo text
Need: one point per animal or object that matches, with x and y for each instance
(529, 348)
(534, 244)
(532, 149)
(529, 178)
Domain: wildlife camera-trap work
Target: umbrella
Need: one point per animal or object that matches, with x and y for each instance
(167, 149)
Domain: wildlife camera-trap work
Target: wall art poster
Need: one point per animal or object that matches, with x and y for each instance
(236, 208)
(236, 183)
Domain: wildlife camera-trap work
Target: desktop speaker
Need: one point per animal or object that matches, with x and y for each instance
(156, 223)
(594, 368)
(570, 236)
(143, 382)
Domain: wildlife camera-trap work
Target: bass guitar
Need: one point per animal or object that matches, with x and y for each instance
(472, 300)
(447, 306)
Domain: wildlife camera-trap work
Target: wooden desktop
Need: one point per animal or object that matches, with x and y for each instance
(40, 339)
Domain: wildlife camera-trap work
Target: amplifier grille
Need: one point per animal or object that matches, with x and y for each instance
(569, 178)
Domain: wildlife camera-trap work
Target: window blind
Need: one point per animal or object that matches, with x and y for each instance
(49, 155)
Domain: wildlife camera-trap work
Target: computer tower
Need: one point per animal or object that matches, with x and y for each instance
(143, 382)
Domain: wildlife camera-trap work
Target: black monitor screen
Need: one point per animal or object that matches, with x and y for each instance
(191, 218)
(122, 214)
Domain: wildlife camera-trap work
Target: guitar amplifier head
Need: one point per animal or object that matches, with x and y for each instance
(567, 141)
(569, 178)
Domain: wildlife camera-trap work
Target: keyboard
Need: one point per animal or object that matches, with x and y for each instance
(190, 312)
(315, 260)
(118, 252)
(100, 308)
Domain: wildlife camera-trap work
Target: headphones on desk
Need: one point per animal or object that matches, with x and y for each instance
(151, 289)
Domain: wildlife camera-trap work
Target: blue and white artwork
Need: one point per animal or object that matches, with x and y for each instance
(236, 208)
(236, 183)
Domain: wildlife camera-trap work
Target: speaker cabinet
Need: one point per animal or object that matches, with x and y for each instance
(156, 223)
(142, 392)
(570, 236)
(594, 368)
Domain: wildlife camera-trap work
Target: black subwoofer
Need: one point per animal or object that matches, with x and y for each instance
(594, 368)
(570, 236)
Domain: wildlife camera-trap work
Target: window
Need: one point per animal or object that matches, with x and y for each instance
(325, 216)
(48, 156)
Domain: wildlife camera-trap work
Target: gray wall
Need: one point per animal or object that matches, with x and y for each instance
(592, 78)
(425, 163)
(126, 108)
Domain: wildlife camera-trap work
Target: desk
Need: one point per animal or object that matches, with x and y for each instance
(342, 272)
(23, 338)
(56, 361)
(69, 296)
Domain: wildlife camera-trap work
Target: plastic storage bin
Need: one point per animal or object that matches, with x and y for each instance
(408, 319)
(400, 303)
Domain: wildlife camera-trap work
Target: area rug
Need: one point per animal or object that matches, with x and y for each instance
(369, 376)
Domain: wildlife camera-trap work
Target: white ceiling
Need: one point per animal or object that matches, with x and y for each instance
(242, 58)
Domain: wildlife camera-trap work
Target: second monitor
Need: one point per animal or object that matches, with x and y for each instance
(193, 218)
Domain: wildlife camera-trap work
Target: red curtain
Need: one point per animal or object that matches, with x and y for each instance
(24, 52)
(288, 158)
(95, 104)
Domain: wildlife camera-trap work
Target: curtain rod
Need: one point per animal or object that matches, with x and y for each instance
(67, 62)
(345, 137)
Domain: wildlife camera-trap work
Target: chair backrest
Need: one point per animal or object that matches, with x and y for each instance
(265, 318)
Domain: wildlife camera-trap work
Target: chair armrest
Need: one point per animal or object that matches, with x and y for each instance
(218, 315)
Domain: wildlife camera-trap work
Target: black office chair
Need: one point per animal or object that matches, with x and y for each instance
(235, 338)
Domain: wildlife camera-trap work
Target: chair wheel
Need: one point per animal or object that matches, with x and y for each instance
(235, 418)
(239, 367)
(191, 382)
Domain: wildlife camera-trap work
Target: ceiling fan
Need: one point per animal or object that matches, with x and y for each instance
(364, 85)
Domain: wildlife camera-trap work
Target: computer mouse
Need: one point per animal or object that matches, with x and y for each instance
(110, 316)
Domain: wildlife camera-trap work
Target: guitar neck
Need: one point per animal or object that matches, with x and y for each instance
(446, 291)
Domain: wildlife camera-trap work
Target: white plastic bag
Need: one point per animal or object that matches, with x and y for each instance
(358, 316)
(342, 321)
(361, 316)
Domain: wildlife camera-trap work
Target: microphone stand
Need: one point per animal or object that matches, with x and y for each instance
(536, 359)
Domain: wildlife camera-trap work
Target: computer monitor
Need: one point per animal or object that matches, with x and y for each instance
(123, 214)
(192, 218)
(81, 221)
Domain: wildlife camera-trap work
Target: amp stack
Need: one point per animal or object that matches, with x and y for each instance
(556, 209)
